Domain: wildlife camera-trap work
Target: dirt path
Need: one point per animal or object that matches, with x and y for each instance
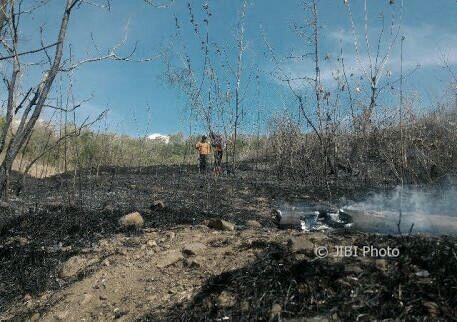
(125, 276)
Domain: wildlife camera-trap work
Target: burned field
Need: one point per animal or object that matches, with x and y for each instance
(228, 160)
(67, 257)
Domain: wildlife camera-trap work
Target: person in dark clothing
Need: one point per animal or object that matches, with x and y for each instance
(218, 146)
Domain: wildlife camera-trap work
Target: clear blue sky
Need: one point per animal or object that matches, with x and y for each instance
(140, 102)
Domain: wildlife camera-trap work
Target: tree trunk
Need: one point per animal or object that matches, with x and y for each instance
(5, 172)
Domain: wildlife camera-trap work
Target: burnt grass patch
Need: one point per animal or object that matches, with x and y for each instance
(302, 287)
(54, 234)
(280, 285)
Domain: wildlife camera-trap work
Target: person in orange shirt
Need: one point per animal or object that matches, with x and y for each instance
(204, 149)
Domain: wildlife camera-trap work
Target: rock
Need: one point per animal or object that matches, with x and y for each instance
(4, 205)
(226, 299)
(35, 317)
(62, 316)
(121, 251)
(158, 204)
(151, 243)
(86, 299)
(432, 308)
(245, 307)
(132, 220)
(300, 244)
(22, 241)
(381, 264)
(73, 266)
(351, 268)
(27, 297)
(109, 209)
(194, 249)
(54, 205)
(276, 310)
(169, 258)
(118, 313)
(317, 319)
(423, 273)
(253, 224)
(220, 224)
(194, 262)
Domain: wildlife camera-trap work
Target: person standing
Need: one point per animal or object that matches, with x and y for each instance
(218, 145)
(204, 149)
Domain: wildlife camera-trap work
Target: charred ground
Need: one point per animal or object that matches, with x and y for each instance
(253, 272)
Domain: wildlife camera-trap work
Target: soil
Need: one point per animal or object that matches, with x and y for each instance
(65, 256)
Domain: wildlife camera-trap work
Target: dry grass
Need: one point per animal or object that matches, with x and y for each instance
(38, 170)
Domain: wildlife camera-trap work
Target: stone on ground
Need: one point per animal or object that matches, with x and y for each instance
(220, 224)
(253, 224)
(158, 204)
(132, 220)
(276, 309)
(72, 266)
(317, 319)
(353, 268)
(54, 205)
(194, 262)
(226, 299)
(169, 258)
(194, 249)
(108, 208)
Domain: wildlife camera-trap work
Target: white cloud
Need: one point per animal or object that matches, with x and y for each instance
(424, 46)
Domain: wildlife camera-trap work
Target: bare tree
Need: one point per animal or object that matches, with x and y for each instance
(372, 62)
(214, 90)
(310, 85)
(28, 106)
(38, 95)
(239, 70)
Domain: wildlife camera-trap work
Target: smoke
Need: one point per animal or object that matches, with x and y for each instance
(430, 210)
(432, 201)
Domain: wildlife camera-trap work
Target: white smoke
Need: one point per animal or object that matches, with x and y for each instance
(431, 209)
